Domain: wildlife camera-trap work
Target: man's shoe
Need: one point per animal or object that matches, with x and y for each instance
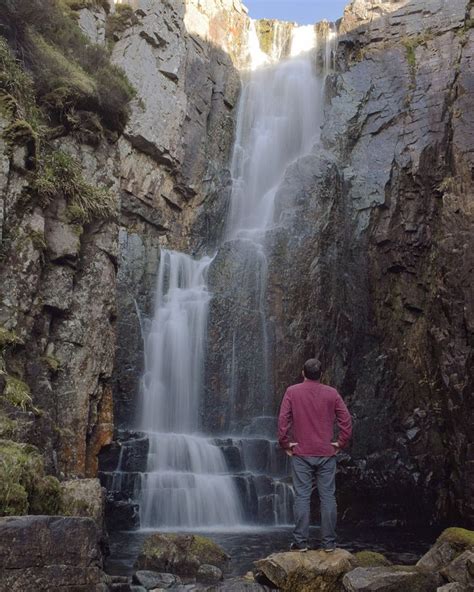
(329, 550)
(298, 547)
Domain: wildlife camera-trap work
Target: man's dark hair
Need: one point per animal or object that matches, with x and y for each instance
(312, 369)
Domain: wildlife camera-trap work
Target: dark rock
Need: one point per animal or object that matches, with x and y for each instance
(50, 553)
(152, 579)
(390, 579)
(121, 515)
(461, 569)
(209, 574)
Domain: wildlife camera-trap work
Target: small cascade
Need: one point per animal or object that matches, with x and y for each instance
(186, 482)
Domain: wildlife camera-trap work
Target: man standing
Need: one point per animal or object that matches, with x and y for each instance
(306, 431)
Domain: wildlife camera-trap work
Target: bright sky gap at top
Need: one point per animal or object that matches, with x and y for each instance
(303, 12)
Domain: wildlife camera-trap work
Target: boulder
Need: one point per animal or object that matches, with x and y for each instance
(240, 585)
(83, 497)
(152, 579)
(50, 554)
(302, 572)
(390, 579)
(451, 543)
(453, 587)
(180, 554)
(209, 574)
(371, 559)
(461, 569)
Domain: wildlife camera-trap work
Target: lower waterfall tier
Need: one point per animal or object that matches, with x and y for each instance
(175, 481)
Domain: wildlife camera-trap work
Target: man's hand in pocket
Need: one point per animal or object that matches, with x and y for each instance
(289, 450)
(336, 446)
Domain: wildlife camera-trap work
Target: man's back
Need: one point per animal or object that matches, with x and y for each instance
(307, 416)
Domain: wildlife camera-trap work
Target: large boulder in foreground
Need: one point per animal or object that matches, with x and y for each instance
(306, 572)
(50, 554)
(180, 554)
(395, 578)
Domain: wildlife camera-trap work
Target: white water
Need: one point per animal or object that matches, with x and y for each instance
(278, 120)
(185, 484)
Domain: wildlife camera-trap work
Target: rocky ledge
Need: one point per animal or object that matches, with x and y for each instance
(55, 554)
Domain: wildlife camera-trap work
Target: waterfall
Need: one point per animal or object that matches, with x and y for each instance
(181, 478)
(186, 483)
(278, 121)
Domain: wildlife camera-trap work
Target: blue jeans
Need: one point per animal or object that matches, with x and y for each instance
(322, 471)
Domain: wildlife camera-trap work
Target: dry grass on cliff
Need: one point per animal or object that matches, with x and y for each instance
(68, 71)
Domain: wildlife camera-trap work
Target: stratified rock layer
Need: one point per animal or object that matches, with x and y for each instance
(49, 554)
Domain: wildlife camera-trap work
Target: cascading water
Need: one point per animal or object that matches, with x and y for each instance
(182, 479)
(278, 121)
(185, 483)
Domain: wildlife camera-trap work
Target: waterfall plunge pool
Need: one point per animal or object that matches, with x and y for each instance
(246, 545)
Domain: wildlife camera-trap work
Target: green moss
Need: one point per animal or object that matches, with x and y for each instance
(69, 72)
(371, 559)
(79, 4)
(59, 174)
(123, 18)
(411, 43)
(17, 93)
(38, 240)
(460, 538)
(23, 486)
(21, 133)
(8, 337)
(8, 427)
(53, 363)
(207, 551)
(17, 392)
(45, 496)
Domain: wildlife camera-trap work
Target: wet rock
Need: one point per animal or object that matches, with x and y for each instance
(390, 579)
(302, 572)
(180, 554)
(450, 544)
(461, 569)
(153, 579)
(50, 553)
(209, 574)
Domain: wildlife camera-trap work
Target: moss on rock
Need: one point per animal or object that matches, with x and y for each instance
(460, 538)
(23, 486)
(17, 392)
(180, 554)
(371, 559)
(60, 175)
(8, 337)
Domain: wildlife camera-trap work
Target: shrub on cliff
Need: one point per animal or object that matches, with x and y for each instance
(69, 72)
